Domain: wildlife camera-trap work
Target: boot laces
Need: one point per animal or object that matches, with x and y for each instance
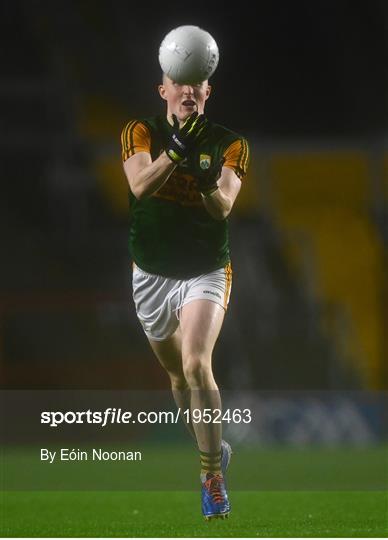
(214, 485)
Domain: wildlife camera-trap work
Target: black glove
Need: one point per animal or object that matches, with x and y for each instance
(184, 139)
(207, 179)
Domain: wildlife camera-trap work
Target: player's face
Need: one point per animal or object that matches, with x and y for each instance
(183, 99)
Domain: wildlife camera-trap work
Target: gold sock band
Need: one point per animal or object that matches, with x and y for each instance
(210, 462)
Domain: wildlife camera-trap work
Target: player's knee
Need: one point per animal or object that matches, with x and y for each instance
(178, 382)
(197, 371)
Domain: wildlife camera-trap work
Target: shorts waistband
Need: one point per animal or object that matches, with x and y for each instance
(145, 273)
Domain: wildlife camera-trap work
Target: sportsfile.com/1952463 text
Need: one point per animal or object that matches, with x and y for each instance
(113, 415)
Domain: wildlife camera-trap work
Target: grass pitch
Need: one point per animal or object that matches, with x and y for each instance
(278, 492)
(177, 514)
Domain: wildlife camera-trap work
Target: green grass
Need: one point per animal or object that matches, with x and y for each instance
(286, 492)
(175, 468)
(172, 514)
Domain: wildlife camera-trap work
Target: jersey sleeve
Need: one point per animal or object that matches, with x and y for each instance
(135, 137)
(237, 157)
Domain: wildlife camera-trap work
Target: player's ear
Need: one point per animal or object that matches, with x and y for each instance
(208, 91)
(162, 91)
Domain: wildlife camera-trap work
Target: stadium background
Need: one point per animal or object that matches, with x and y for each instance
(306, 84)
(304, 341)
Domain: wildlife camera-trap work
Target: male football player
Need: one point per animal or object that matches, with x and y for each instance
(184, 174)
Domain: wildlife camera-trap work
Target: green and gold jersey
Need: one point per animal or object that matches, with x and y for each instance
(171, 232)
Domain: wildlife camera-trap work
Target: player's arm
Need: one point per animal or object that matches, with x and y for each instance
(219, 202)
(221, 184)
(146, 176)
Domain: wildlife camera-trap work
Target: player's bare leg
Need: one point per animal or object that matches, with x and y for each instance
(187, 358)
(169, 354)
(201, 322)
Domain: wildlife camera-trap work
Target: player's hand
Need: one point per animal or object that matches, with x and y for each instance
(207, 179)
(184, 139)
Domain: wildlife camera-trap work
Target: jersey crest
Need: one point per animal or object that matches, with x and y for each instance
(205, 161)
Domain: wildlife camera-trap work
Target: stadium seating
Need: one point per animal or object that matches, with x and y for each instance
(322, 202)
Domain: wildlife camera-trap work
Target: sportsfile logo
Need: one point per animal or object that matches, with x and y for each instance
(111, 415)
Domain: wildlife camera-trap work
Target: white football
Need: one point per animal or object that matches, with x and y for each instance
(188, 55)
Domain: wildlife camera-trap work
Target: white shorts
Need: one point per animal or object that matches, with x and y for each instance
(158, 300)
